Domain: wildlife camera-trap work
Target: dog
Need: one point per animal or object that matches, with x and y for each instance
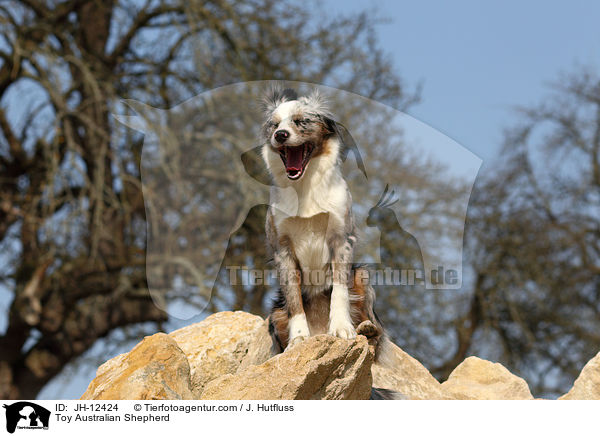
(310, 227)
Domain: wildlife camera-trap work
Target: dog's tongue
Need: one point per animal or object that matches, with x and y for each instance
(294, 158)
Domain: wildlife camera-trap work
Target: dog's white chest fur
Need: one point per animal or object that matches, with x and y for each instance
(308, 214)
(309, 239)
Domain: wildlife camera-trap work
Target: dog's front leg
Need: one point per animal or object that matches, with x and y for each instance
(290, 279)
(340, 321)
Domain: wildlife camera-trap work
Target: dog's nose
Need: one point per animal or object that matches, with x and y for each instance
(281, 136)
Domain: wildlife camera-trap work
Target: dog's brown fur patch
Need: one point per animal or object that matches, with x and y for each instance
(279, 321)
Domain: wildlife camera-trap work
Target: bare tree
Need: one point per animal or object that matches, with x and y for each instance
(534, 244)
(72, 218)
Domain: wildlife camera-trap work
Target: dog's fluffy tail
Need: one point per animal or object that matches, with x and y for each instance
(384, 356)
(386, 394)
(384, 351)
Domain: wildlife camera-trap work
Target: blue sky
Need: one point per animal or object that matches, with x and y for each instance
(478, 60)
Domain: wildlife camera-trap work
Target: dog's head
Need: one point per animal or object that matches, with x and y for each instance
(300, 135)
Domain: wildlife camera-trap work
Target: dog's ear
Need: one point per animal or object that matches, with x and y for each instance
(277, 95)
(317, 103)
(331, 126)
(348, 144)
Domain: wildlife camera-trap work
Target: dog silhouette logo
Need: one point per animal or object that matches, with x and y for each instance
(26, 415)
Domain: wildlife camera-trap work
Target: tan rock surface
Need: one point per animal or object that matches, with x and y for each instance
(155, 369)
(221, 344)
(227, 356)
(478, 379)
(321, 367)
(587, 385)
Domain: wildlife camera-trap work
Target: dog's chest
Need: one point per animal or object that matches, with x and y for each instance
(309, 239)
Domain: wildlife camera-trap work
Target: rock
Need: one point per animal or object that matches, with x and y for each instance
(587, 385)
(401, 373)
(478, 379)
(320, 367)
(261, 347)
(155, 369)
(223, 343)
(228, 356)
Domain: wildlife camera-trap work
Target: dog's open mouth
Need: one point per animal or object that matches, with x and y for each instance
(296, 159)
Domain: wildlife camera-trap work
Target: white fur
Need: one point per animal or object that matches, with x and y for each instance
(340, 322)
(284, 113)
(298, 327)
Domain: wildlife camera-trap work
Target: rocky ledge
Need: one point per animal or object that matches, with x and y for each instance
(228, 356)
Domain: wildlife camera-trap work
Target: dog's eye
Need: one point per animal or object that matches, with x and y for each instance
(302, 121)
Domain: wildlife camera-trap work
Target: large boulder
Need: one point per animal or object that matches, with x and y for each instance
(155, 369)
(587, 385)
(478, 379)
(223, 343)
(320, 367)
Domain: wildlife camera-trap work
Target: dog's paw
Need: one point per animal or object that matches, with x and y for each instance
(295, 341)
(342, 329)
(367, 328)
